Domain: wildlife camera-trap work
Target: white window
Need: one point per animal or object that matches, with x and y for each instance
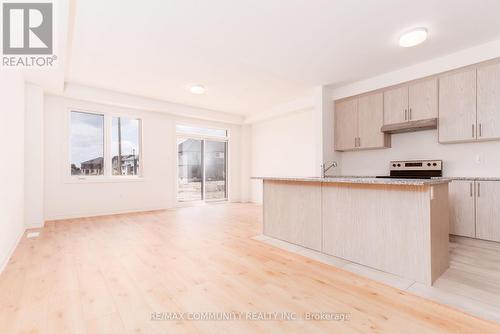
(125, 146)
(87, 144)
(104, 146)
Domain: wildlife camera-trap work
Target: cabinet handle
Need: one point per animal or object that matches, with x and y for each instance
(359, 141)
(480, 130)
(471, 194)
(409, 118)
(478, 189)
(355, 141)
(473, 134)
(406, 115)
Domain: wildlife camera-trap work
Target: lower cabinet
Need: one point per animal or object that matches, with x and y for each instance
(462, 214)
(488, 210)
(475, 209)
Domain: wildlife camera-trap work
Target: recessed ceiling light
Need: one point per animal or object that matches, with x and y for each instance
(413, 37)
(197, 89)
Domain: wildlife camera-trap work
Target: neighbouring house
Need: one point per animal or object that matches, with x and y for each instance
(92, 167)
(129, 165)
(189, 161)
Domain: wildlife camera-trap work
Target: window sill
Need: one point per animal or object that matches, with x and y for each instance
(104, 179)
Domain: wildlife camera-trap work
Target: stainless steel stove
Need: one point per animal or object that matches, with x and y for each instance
(415, 169)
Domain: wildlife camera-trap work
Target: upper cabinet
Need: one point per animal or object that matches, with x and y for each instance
(457, 107)
(463, 104)
(423, 100)
(396, 105)
(370, 120)
(414, 102)
(358, 122)
(488, 102)
(346, 125)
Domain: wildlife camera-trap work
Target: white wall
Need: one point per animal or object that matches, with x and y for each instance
(12, 166)
(471, 159)
(33, 156)
(157, 189)
(283, 146)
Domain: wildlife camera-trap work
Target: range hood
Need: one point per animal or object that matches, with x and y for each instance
(411, 126)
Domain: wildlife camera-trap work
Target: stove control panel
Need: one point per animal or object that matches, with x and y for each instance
(421, 165)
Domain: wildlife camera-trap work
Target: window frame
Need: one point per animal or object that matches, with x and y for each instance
(107, 142)
(185, 135)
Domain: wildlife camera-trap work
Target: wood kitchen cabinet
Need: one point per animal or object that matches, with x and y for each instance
(462, 208)
(396, 105)
(488, 210)
(370, 120)
(457, 107)
(488, 102)
(346, 125)
(358, 122)
(423, 100)
(414, 102)
(475, 209)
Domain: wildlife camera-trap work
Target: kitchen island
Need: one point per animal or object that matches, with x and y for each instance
(394, 225)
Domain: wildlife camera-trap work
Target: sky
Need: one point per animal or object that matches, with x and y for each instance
(87, 136)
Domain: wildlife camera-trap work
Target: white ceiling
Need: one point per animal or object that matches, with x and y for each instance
(253, 55)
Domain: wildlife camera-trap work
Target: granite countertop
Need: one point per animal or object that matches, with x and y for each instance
(361, 179)
(473, 178)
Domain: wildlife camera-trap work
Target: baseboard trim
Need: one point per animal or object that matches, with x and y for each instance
(3, 265)
(103, 213)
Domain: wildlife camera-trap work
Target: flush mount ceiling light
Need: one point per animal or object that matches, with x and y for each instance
(413, 37)
(197, 89)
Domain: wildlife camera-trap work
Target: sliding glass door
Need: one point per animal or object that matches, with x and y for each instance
(215, 170)
(202, 169)
(190, 169)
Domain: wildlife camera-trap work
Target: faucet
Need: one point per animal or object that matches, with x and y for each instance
(325, 168)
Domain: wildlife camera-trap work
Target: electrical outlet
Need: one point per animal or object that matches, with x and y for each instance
(31, 235)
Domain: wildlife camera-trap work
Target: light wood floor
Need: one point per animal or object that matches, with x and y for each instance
(108, 274)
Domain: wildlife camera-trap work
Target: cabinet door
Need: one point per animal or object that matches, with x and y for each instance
(488, 210)
(423, 100)
(461, 202)
(457, 107)
(396, 105)
(488, 102)
(346, 124)
(370, 120)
